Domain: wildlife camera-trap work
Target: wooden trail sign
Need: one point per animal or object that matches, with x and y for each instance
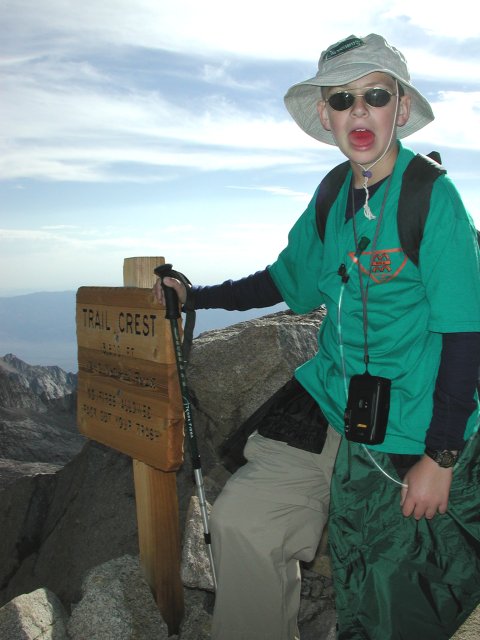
(129, 399)
(128, 392)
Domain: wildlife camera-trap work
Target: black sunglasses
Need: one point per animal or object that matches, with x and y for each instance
(374, 97)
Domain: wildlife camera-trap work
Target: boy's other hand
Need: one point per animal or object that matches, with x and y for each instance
(427, 491)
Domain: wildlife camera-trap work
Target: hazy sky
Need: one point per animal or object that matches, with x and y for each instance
(157, 127)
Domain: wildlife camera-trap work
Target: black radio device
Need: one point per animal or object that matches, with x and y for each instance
(368, 405)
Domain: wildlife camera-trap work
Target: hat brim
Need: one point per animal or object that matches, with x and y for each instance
(301, 102)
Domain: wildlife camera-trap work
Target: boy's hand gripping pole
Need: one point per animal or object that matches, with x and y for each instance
(173, 314)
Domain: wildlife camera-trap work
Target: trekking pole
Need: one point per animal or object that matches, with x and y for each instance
(173, 314)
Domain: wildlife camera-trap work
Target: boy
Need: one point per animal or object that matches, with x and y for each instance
(404, 524)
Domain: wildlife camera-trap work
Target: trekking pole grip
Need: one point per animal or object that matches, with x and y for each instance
(171, 297)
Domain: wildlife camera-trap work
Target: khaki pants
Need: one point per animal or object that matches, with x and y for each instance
(269, 516)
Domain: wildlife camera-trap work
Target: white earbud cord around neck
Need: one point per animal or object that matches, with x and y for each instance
(366, 171)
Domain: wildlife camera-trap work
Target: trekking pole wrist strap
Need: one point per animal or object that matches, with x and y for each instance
(171, 299)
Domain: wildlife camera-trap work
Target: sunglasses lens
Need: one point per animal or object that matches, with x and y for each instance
(341, 100)
(377, 97)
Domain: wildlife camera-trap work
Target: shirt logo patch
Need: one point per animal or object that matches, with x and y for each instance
(381, 265)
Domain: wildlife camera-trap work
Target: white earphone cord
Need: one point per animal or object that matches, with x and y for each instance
(344, 371)
(370, 216)
(367, 174)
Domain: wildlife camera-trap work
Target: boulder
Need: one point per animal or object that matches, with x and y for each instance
(232, 371)
(34, 616)
(88, 517)
(116, 604)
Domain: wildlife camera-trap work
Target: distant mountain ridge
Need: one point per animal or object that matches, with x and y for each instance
(33, 387)
(37, 417)
(39, 328)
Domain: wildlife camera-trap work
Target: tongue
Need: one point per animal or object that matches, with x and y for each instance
(361, 138)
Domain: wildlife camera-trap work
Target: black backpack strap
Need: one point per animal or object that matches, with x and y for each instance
(327, 194)
(414, 201)
(413, 204)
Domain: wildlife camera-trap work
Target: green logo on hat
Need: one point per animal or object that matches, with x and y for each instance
(343, 47)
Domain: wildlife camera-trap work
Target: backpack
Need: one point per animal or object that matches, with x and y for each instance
(413, 204)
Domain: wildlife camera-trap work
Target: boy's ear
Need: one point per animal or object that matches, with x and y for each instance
(323, 114)
(403, 110)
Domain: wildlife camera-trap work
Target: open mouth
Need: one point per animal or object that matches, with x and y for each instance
(361, 137)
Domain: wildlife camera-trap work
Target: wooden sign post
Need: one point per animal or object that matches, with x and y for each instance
(129, 399)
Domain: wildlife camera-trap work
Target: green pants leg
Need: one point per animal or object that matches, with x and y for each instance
(397, 578)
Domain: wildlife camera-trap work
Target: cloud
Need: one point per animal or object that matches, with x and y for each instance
(143, 138)
(226, 74)
(88, 94)
(458, 23)
(463, 130)
(252, 29)
(59, 227)
(82, 131)
(298, 196)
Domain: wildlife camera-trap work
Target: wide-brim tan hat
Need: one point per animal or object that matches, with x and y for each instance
(344, 62)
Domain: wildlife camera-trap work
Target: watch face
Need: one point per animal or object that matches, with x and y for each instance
(447, 459)
(444, 458)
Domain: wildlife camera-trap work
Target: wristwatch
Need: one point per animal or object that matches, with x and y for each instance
(445, 458)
